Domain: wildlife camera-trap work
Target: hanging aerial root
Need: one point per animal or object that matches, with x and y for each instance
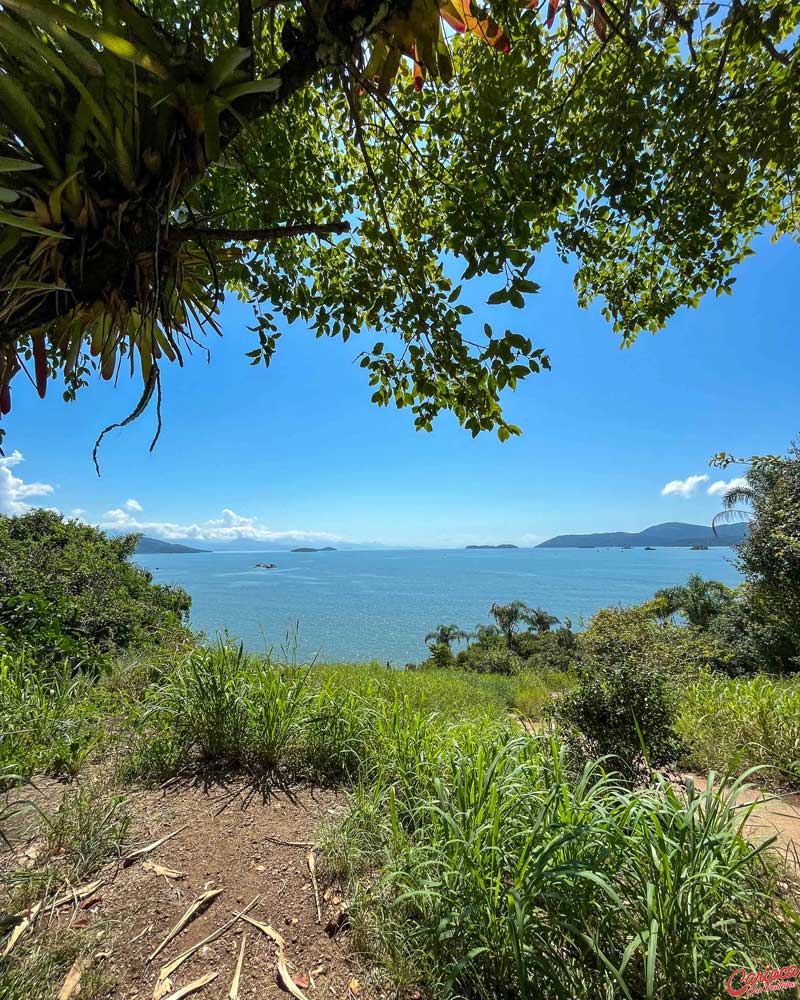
(153, 382)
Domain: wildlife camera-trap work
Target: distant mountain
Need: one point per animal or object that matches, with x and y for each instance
(672, 533)
(505, 545)
(307, 548)
(155, 546)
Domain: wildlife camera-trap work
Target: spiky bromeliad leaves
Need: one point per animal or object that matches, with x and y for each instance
(154, 156)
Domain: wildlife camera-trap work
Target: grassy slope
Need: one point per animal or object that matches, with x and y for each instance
(483, 862)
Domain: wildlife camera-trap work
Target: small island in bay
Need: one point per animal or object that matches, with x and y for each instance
(505, 545)
(306, 548)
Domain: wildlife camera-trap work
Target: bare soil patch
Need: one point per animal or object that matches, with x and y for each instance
(248, 845)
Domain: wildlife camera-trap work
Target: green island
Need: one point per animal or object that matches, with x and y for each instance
(504, 545)
(532, 810)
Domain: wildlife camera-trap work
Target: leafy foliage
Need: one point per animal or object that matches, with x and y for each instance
(70, 591)
(699, 601)
(623, 712)
(630, 637)
(155, 157)
(769, 556)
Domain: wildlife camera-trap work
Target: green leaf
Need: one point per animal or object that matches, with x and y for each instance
(29, 226)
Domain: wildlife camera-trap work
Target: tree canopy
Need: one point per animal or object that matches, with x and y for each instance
(336, 161)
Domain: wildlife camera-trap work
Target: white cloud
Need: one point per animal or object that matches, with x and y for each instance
(134, 505)
(229, 527)
(720, 487)
(683, 487)
(14, 491)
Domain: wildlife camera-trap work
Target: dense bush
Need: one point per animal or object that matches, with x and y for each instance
(549, 651)
(489, 659)
(504, 648)
(68, 590)
(624, 712)
(631, 637)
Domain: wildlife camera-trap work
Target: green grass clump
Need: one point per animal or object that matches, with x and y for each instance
(489, 870)
(40, 967)
(733, 724)
(222, 707)
(44, 725)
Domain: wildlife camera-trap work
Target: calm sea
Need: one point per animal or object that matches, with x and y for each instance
(354, 605)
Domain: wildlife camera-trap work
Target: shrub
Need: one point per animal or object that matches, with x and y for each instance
(68, 589)
(489, 658)
(630, 637)
(441, 658)
(769, 556)
(623, 712)
(549, 651)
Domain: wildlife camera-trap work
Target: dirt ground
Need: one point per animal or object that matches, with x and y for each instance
(251, 847)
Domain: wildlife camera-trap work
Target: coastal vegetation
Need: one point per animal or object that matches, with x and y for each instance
(520, 813)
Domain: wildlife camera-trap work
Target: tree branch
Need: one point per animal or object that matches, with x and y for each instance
(326, 41)
(246, 235)
(245, 33)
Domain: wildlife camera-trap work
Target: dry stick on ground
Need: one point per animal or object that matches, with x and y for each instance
(148, 848)
(280, 954)
(233, 992)
(194, 908)
(193, 987)
(289, 843)
(72, 983)
(163, 983)
(313, 872)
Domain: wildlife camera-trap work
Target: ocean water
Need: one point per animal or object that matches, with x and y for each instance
(379, 605)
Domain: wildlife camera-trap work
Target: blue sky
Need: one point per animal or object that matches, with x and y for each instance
(298, 452)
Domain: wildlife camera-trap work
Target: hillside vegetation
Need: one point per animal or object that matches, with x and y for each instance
(513, 820)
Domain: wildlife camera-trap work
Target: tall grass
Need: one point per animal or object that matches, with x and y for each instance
(43, 723)
(734, 724)
(490, 871)
(229, 707)
(481, 865)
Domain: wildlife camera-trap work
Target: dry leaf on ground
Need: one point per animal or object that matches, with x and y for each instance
(157, 869)
(72, 983)
(194, 908)
(193, 987)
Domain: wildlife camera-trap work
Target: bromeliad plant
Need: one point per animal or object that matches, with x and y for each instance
(107, 125)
